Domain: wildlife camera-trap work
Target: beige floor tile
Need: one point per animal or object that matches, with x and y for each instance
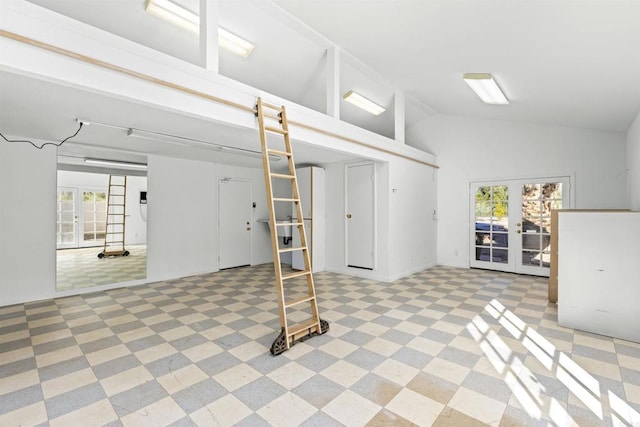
(352, 409)
(57, 356)
(410, 328)
(249, 350)
(629, 362)
(19, 381)
(136, 334)
(182, 378)
(452, 418)
(632, 393)
(68, 382)
(338, 348)
(125, 380)
(287, 410)
(98, 413)
(386, 418)
(372, 329)
(478, 406)
(382, 346)
(111, 353)
(395, 371)
(427, 346)
(226, 411)
(605, 344)
(291, 375)
(415, 407)
(94, 335)
(14, 336)
(202, 351)
(344, 373)
(449, 371)
(160, 413)
(175, 333)
(31, 415)
(236, 377)
(598, 367)
(432, 387)
(51, 336)
(157, 352)
(217, 332)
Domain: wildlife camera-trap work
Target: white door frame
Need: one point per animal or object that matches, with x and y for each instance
(374, 212)
(80, 208)
(515, 210)
(220, 180)
(76, 222)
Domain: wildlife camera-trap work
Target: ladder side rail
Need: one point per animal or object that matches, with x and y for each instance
(272, 219)
(301, 228)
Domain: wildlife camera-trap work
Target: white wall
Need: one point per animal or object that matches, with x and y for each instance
(633, 163)
(405, 230)
(474, 149)
(412, 226)
(27, 223)
(183, 216)
(136, 225)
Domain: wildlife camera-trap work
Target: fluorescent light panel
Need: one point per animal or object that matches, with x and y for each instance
(363, 103)
(233, 43)
(181, 140)
(486, 88)
(106, 162)
(181, 17)
(177, 15)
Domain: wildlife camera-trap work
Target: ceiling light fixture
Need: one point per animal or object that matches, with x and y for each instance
(486, 88)
(177, 15)
(234, 44)
(181, 140)
(184, 18)
(363, 103)
(106, 162)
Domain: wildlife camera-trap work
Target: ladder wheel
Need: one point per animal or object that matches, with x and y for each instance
(125, 253)
(280, 344)
(324, 326)
(101, 255)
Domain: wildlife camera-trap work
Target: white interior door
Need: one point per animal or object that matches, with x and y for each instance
(67, 218)
(93, 217)
(511, 223)
(234, 223)
(360, 210)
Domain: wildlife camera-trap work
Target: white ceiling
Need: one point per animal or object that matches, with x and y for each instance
(561, 62)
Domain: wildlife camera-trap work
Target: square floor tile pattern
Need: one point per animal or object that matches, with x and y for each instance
(444, 347)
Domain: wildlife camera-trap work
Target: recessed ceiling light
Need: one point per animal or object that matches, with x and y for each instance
(175, 14)
(486, 88)
(364, 103)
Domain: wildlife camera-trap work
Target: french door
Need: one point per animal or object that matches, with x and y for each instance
(511, 223)
(67, 218)
(81, 221)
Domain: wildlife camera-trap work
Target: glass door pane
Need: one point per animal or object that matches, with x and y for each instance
(534, 225)
(66, 219)
(490, 205)
(94, 212)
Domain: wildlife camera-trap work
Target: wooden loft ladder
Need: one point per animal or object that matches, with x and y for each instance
(115, 221)
(291, 332)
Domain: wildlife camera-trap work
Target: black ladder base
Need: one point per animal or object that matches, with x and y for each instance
(279, 346)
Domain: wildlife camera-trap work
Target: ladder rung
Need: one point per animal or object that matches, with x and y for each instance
(281, 175)
(301, 248)
(117, 185)
(114, 204)
(275, 130)
(299, 300)
(280, 199)
(309, 324)
(275, 107)
(296, 274)
(279, 152)
(282, 224)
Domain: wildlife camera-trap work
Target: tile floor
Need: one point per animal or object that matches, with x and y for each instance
(444, 347)
(81, 268)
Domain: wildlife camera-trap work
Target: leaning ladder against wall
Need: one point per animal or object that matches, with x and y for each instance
(115, 221)
(291, 298)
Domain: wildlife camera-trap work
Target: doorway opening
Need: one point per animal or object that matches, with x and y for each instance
(81, 230)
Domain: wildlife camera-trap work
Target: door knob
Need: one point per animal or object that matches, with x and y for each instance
(518, 224)
(248, 228)
(518, 231)
(348, 215)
